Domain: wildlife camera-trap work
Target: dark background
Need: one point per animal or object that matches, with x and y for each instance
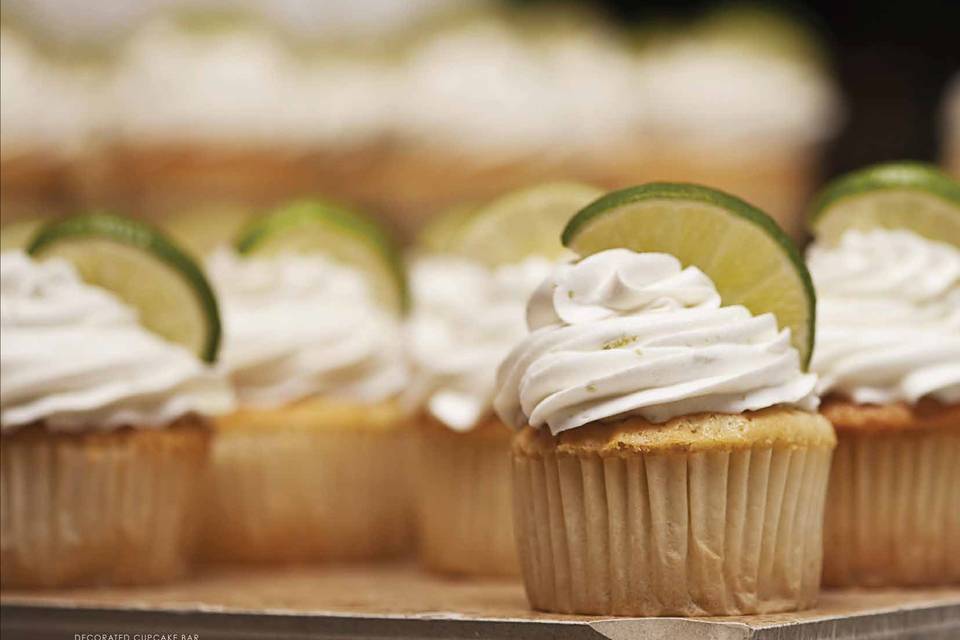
(893, 61)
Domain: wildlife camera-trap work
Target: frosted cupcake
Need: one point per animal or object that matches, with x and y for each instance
(469, 308)
(491, 103)
(312, 464)
(669, 458)
(466, 318)
(103, 421)
(888, 353)
(215, 112)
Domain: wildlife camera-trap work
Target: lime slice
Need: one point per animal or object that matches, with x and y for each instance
(439, 234)
(309, 226)
(144, 269)
(200, 231)
(522, 223)
(18, 234)
(750, 259)
(901, 195)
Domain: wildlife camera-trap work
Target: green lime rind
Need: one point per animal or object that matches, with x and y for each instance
(897, 195)
(750, 259)
(521, 223)
(65, 237)
(309, 226)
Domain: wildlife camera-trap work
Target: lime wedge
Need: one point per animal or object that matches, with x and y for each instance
(200, 231)
(900, 195)
(750, 259)
(310, 226)
(522, 223)
(439, 234)
(144, 269)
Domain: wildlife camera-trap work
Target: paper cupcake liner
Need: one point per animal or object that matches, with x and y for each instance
(465, 502)
(99, 508)
(724, 532)
(298, 494)
(893, 509)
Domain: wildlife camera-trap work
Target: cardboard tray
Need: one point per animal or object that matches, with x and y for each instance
(400, 601)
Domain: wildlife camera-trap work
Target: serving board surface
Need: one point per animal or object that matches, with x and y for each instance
(400, 601)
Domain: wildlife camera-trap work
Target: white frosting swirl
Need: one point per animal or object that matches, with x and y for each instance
(623, 333)
(75, 357)
(466, 319)
(298, 326)
(888, 321)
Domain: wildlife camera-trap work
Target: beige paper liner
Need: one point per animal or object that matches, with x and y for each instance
(99, 508)
(465, 501)
(893, 509)
(720, 532)
(292, 494)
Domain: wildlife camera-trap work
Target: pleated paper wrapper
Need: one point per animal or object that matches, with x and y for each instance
(717, 532)
(100, 508)
(893, 508)
(290, 494)
(465, 508)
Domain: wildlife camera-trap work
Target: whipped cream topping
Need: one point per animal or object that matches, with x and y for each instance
(888, 317)
(717, 91)
(466, 318)
(243, 86)
(74, 357)
(621, 333)
(43, 105)
(297, 326)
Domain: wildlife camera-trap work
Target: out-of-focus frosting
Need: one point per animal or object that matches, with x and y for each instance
(485, 87)
(74, 357)
(719, 91)
(621, 333)
(466, 318)
(298, 326)
(888, 317)
(243, 86)
(43, 106)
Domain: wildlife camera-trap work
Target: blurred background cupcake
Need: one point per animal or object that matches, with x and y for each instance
(312, 465)
(107, 333)
(471, 279)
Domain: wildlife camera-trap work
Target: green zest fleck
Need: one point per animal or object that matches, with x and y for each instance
(591, 388)
(570, 294)
(619, 342)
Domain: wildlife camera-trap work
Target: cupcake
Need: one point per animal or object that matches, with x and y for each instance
(466, 317)
(104, 434)
(888, 356)
(669, 459)
(223, 112)
(470, 286)
(498, 100)
(312, 464)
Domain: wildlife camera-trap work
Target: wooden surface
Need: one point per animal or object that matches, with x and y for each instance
(402, 601)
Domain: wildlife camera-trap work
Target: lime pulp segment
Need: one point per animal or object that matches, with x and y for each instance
(749, 258)
(144, 269)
